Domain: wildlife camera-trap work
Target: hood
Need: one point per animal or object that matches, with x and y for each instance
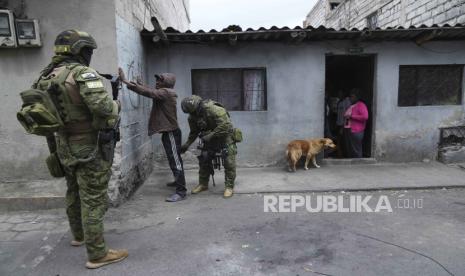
(167, 80)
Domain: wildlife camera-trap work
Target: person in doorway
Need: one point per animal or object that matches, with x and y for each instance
(356, 117)
(342, 106)
(163, 119)
(327, 132)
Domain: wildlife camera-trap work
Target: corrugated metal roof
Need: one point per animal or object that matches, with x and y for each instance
(234, 34)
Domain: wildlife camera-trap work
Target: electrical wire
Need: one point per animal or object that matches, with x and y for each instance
(407, 249)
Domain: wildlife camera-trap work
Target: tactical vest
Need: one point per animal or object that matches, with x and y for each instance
(236, 133)
(49, 107)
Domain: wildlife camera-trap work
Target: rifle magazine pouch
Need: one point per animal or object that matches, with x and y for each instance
(54, 165)
(237, 135)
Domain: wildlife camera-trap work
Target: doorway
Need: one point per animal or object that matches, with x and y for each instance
(344, 73)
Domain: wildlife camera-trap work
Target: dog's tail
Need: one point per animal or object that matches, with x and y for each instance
(289, 154)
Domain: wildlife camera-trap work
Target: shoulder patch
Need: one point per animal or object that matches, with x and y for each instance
(94, 84)
(88, 76)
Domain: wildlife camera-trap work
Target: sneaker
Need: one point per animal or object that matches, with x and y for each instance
(228, 192)
(76, 243)
(112, 256)
(171, 184)
(199, 188)
(175, 197)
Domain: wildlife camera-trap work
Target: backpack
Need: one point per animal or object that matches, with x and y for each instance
(38, 114)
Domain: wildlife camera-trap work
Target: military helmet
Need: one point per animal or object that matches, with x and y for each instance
(190, 104)
(72, 41)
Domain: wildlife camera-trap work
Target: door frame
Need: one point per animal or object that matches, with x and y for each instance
(374, 107)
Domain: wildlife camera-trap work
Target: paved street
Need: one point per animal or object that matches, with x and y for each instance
(207, 235)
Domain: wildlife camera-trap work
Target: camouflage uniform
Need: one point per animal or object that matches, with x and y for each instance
(212, 120)
(85, 108)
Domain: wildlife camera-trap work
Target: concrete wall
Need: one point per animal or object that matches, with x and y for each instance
(115, 24)
(411, 133)
(265, 132)
(296, 85)
(391, 13)
(135, 153)
(23, 156)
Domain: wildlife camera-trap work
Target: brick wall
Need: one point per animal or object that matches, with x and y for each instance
(391, 13)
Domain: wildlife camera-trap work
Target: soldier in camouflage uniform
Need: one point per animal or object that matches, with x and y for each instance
(210, 122)
(86, 110)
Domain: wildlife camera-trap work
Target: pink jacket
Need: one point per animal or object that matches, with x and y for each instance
(358, 117)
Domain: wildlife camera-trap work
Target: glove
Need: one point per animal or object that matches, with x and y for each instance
(184, 148)
(206, 138)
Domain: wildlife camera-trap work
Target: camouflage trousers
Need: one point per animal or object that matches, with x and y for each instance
(86, 198)
(229, 168)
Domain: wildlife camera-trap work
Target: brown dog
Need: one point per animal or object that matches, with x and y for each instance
(309, 148)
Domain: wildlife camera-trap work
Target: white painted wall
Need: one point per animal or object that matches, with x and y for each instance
(296, 85)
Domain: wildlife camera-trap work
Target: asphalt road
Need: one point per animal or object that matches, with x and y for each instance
(207, 235)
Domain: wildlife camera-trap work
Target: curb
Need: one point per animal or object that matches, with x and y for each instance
(9, 204)
(56, 202)
(448, 187)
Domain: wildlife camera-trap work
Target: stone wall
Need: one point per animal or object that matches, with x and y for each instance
(391, 13)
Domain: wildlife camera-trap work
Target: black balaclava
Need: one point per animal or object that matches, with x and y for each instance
(86, 55)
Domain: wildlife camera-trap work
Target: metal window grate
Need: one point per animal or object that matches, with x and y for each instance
(450, 136)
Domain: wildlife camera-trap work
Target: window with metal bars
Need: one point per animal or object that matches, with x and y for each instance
(238, 89)
(421, 85)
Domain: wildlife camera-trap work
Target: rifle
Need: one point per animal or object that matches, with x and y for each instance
(109, 137)
(211, 158)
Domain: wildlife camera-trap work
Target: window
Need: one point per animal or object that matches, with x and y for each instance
(372, 21)
(430, 85)
(5, 25)
(237, 89)
(333, 5)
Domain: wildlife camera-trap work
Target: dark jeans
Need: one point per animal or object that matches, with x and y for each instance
(353, 143)
(172, 143)
(356, 142)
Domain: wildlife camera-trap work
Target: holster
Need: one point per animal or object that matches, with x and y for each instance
(54, 165)
(107, 142)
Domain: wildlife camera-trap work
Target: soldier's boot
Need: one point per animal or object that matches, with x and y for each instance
(76, 243)
(228, 192)
(112, 256)
(199, 188)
